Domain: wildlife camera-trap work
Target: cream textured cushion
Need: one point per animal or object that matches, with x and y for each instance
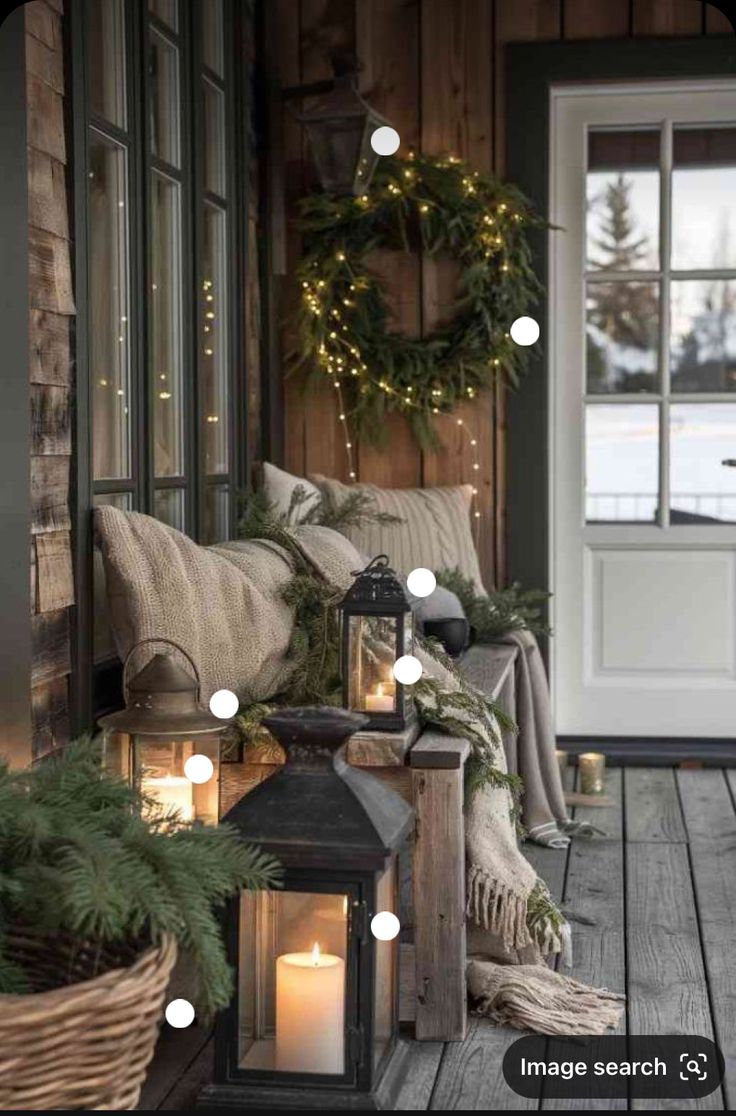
(435, 532)
(279, 488)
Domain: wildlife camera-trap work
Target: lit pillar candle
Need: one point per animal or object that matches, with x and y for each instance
(310, 1013)
(592, 771)
(172, 791)
(379, 701)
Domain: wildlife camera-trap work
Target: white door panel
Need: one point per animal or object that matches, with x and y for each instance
(643, 540)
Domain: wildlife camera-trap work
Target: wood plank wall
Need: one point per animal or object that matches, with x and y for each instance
(435, 69)
(51, 374)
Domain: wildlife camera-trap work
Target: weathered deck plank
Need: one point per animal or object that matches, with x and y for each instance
(652, 805)
(470, 1076)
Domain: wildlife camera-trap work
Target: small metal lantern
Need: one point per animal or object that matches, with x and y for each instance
(314, 1020)
(163, 740)
(377, 629)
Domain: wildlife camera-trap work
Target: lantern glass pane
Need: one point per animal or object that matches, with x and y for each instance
(292, 990)
(336, 145)
(372, 652)
(116, 753)
(161, 770)
(387, 967)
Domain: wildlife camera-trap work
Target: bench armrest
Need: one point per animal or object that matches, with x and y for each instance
(438, 750)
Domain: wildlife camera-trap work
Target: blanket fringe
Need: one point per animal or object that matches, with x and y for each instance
(496, 907)
(535, 998)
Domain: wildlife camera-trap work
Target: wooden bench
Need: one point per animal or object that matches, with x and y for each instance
(428, 770)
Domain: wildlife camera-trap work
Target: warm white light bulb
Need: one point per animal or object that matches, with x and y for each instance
(421, 582)
(199, 769)
(224, 704)
(179, 1013)
(385, 926)
(407, 670)
(525, 331)
(385, 140)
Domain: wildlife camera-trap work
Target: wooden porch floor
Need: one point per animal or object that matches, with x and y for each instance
(656, 899)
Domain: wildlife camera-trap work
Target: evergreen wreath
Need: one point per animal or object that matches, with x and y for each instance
(441, 207)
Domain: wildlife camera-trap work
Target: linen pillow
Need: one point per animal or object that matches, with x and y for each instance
(434, 532)
(279, 488)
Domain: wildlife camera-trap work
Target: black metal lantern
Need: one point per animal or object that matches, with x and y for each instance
(377, 629)
(314, 1020)
(164, 740)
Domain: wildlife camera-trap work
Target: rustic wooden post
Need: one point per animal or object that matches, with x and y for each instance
(437, 766)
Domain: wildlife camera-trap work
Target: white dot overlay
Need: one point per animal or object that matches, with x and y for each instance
(199, 769)
(179, 1013)
(407, 670)
(525, 331)
(385, 140)
(421, 582)
(224, 704)
(385, 926)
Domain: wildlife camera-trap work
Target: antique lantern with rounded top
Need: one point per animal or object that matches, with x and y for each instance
(314, 1019)
(163, 740)
(377, 629)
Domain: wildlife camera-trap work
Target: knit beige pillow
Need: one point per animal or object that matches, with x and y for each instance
(435, 532)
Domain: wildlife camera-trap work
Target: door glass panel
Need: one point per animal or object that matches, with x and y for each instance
(703, 335)
(169, 507)
(106, 57)
(165, 316)
(622, 200)
(166, 10)
(704, 198)
(109, 353)
(216, 513)
(164, 75)
(702, 438)
(622, 331)
(213, 351)
(214, 139)
(621, 462)
(212, 45)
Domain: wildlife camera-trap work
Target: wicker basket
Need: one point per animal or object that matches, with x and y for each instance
(87, 1044)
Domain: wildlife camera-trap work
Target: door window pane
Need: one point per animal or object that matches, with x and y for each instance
(622, 200)
(106, 59)
(216, 513)
(704, 198)
(214, 139)
(169, 507)
(109, 352)
(621, 462)
(212, 45)
(213, 352)
(166, 10)
(703, 335)
(165, 318)
(164, 74)
(622, 331)
(702, 438)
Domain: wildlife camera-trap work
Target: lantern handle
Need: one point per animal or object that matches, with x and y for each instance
(171, 643)
(380, 562)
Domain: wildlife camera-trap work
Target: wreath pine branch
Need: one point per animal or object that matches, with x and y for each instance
(443, 208)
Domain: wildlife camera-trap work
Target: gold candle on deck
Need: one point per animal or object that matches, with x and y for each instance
(592, 772)
(561, 758)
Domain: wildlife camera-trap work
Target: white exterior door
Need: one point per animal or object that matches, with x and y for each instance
(642, 340)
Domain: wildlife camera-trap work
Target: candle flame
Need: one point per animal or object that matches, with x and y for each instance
(315, 954)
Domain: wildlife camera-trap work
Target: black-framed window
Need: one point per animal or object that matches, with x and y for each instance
(160, 179)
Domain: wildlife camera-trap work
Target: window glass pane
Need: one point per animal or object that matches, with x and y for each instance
(164, 74)
(703, 198)
(165, 320)
(106, 59)
(169, 507)
(703, 335)
(621, 462)
(214, 139)
(213, 351)
(108, 307)
(622, 335)
(166, 10)
(702, 437)
(103, 643)
(212, 49)
(216, 513)
(622, 201)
